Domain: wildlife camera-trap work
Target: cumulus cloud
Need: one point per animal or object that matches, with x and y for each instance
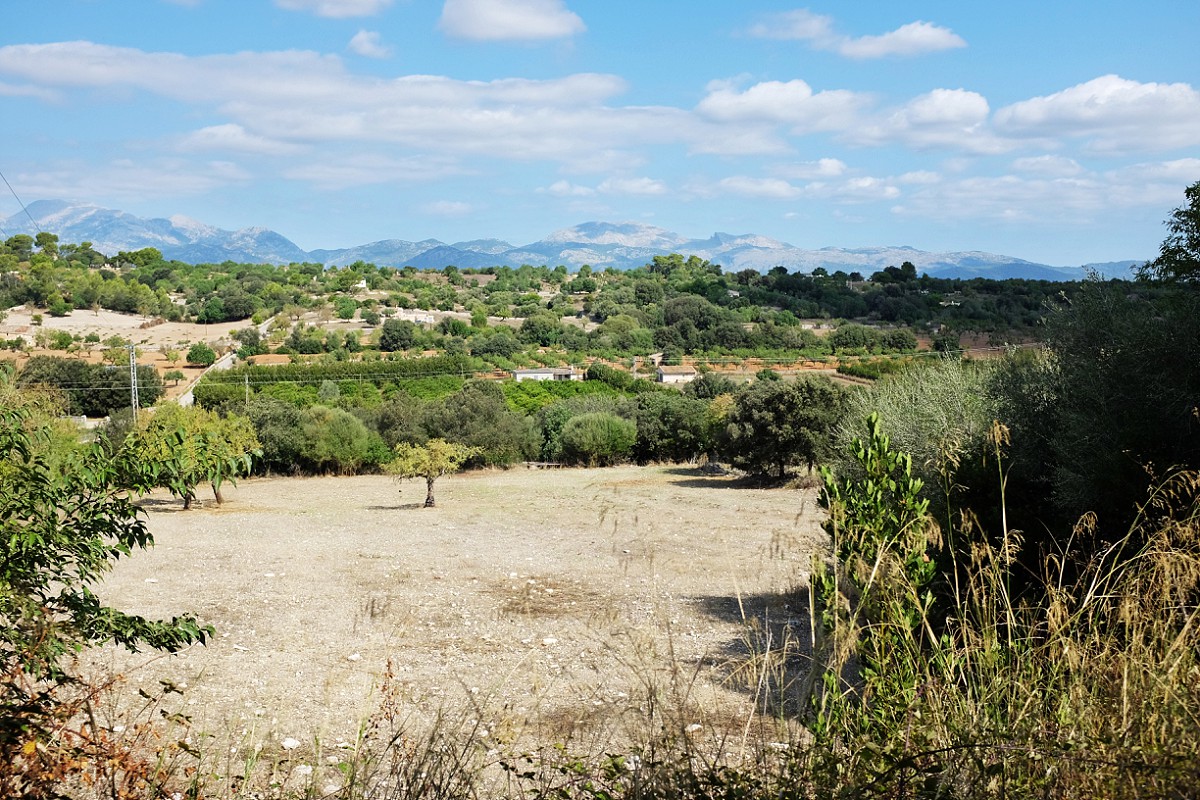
(509, 20)
(308, 98)
(337, 9)
(1114, 114)
(1081, 198)
(793, 103)
(368, 44)
(912, 39)
(954, 118)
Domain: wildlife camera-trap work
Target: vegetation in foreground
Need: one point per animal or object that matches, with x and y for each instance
(1010, 609)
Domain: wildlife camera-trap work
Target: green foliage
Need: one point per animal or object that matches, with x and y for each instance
(478, 417)
(92, 390)
(938, 412)
(1179, 256)
(197, 444)
(774, 425)
(527, 397)
(201, 355)
(598, 439)
(430, 461)
(397, 334)
(61, 532)
(671, 427)
(1126, 380)
(873, 368)
(334, 441)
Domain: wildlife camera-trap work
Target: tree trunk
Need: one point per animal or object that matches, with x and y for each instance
(188, 497)
(429, 493)
(217, 493)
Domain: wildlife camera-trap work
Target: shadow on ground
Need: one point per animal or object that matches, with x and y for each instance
(707, 478)
(770, 658)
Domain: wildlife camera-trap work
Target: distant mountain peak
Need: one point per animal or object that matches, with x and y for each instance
(621, 245)
(625, 234)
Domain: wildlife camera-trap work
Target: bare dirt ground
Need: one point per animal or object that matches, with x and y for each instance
(549, 601)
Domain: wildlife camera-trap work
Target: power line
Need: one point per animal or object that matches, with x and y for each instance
(22, 205)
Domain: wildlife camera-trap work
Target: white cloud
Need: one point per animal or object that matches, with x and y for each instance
(337, 9)
(647, 187)
(362, 170)
(368, 44)
(912, 39)
(765, 188)
(509, 20)
(1048, 166)
(1114, 114)
(919, 177)
(788, 102)
(9, 90)
(1084, 198)
(954, 118)
(568, 189)
(125, 179)
(307, 98)
(810, 170)
(448, 208)
(231, 137)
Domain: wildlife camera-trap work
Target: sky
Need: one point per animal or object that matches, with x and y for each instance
(1061, 132)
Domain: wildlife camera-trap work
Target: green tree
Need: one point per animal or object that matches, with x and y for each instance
(671, 427)
(200, 354)
(61, 530)
(397, 334)
(199, 445)
(430, 461)
(775, 425)
(1179, 255)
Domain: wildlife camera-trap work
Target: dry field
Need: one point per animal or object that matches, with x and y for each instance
(547, 603)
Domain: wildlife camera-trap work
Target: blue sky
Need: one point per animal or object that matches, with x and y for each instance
(1061, 132)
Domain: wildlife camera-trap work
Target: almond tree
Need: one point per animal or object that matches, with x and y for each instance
(430, 461)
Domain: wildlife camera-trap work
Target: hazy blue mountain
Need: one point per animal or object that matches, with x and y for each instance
(598, 244)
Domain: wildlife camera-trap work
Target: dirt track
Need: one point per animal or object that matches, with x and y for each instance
(549, 598)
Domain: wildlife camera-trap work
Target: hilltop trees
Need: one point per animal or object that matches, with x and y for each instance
(1179, 255)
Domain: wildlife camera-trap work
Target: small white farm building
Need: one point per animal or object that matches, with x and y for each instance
(668, 374)
(548, 374)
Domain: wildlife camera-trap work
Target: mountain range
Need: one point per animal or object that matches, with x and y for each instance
(599, 244)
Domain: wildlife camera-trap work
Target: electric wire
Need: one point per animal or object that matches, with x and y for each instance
(21, 204)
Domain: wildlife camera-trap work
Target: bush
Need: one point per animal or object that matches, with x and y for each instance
(598, 440)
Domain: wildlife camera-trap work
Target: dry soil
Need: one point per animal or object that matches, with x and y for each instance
(550, 601)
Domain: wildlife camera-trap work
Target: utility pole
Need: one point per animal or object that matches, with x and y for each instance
(133, 380)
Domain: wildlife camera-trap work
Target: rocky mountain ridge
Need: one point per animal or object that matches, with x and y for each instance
(598, 244)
